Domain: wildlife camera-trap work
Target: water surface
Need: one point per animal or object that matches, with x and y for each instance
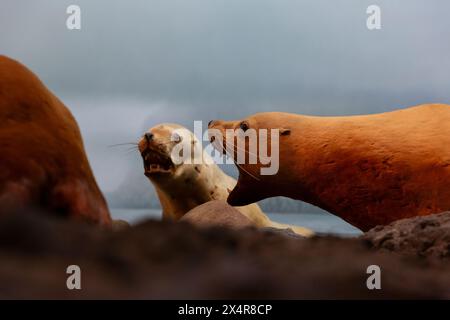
(319, 222)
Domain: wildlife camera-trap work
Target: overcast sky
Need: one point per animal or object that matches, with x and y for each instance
(135, 63)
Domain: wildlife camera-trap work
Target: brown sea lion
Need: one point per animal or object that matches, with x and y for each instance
(186, 185)
(42, 159)
(369, 169)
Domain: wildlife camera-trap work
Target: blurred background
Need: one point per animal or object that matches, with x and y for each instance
(136, 63)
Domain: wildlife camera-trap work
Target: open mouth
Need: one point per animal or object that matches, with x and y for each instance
(156, 162)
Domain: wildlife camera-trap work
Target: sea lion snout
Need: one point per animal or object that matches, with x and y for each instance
(155, 153)
(149, 136)
(216, 133)
(153, 139)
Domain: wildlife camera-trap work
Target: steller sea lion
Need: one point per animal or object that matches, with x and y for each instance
(42, 159)
(184, 186)
(368, 169)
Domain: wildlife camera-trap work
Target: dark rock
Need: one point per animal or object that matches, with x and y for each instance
(180, 261)
(427, 236)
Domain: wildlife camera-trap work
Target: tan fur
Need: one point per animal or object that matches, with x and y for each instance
(369, 170)
(191, 185)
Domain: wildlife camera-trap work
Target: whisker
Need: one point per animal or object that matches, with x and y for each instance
(240, 166)
(237, 147)
(251, 175)
(122, 144)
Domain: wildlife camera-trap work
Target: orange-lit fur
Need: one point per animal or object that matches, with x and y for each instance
(42, 159)
(369, 170)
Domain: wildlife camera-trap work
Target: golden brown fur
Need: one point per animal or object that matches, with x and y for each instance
(43, 163)
(369, 170)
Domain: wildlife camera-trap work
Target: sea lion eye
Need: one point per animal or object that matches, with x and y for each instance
(176, 138)
(244, 126)
(285, 132)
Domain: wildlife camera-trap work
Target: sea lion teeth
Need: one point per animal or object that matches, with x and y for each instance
(186, 186)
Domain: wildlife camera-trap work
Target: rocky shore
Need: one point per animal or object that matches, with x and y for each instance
(180, 261)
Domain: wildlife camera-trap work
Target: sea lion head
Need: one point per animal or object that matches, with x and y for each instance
(165, 149)
(255, 144)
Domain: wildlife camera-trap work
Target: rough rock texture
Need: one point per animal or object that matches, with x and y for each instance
(217, 213)
(421, 236)
(178, 260)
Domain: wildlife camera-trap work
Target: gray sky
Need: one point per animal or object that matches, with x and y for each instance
(139, 62)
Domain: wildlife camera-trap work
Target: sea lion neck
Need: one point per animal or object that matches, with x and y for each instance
(181, 192)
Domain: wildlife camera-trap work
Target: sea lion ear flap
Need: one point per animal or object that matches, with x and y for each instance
(285, 131)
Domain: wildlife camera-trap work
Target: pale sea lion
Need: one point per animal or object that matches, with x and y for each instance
(182, 187)
(369, 169)
(43, 164)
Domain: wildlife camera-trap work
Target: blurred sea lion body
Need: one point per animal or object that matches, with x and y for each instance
(42, 158)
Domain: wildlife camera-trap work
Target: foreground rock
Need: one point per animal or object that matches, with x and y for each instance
(180, 261)
(427, 236)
